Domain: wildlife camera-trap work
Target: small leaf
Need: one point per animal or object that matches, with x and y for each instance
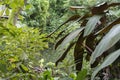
(23, 68)
(82, 75)
(108, 60)
(71, 36)
(91, 24)
(77, 7)
(112, 37)
(65, 53)
(28, 7)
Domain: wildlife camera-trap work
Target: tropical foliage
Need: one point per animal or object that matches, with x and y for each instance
(93, 40)
(87, 45)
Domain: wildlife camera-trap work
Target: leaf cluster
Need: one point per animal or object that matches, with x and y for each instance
(94, 37)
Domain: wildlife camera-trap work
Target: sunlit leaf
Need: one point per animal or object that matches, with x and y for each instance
(107, 42)
(109, 60)
(82, 75)
(91, 24)
(23, 68)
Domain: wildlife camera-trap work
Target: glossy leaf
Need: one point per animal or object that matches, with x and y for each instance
(107, 42)
(109, 60)
(71, 36)
(91, 24)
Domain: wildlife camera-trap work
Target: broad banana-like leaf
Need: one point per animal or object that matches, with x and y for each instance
(108, 60)
(111, 38)
(71, 36)
(91, 24)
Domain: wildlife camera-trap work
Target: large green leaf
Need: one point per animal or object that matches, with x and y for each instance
(91, 24)
(109, 60)
(112, 37)
(71, 36)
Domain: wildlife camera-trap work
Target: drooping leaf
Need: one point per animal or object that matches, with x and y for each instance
(106, 29)
(78, 53)
(109, 60)
(82, 75)
(113, 4)
(99, 9)
(65, 53)
(60, 34)
(112, 37)
(75, 17)
(71, 36)
(90, 45)
(91, 24)
(60, 41)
